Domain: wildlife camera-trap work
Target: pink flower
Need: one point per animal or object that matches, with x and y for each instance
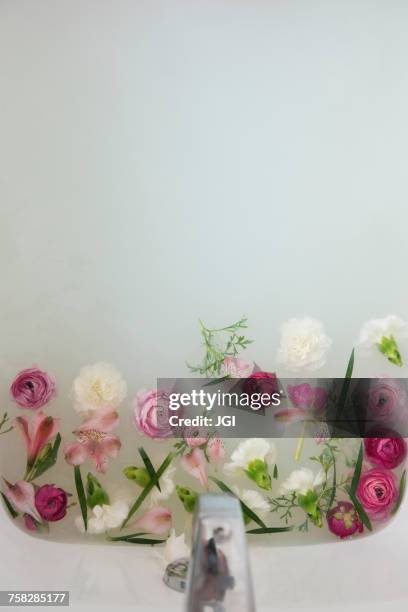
(307, 402)
(195, 436)
(94, 440)
(21, 496)
(32, 388)
(215, 449)
(30, 523)
(195, 464)
(381, 399)
(377, 491)
(51, 503)
(151, 413)
(37, 433)
(157, 520)
(261, 382)
(387, 451)
(343, 520)
(235, 367)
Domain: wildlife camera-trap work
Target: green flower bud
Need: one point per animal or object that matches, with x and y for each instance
(187, 497)
(96, 494)
(308, 503)
(388, 347)
(138, 474)
(257, 471)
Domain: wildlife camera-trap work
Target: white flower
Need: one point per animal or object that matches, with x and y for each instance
(98, 385)
(373, 331)
(167, 487)
(301, 481)
(104, 518)
(303, 344)
(249, 450)
(174, 549)
(235, 367)
(253, 500)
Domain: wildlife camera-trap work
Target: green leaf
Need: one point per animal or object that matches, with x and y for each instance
(47, 461)
(275, 472)
(357, 470)
(9, 507)
(245, 509)
(216, 381)
(334, 481)
(270, 530)
(359, 509)
(81, 495)
(148, 464)
(134, 539)
(140, 499)
(402, 486)
(346, 385)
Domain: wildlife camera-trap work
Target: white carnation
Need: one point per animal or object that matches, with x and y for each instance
(98, 385)
(249, 450)
(174, 549)
(303, 344)
(167, 487)
(104, 518)
(374, 330)
(253, 500)
(301, 481)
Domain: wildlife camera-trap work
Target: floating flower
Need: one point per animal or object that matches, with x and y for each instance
(303, 345)
(105, 517)
(235, 367)
(253, 500)
(261, 383)
(308, 402)
(381, 399)
(94, 440)
(215, 449)
(377, 491)
(139, 474)
(151, 414)
(195, 436)
(98, 385)
(167, 487)
(343, 520)
(30, 523)
(383, 334)
(195, 464)
(301, 481)
(387, 451)
(188, 498)
(32, 388)
(21, 495)
(174, 549)
(157, 521)
(253, 457)
(51, 503)
(37, 433)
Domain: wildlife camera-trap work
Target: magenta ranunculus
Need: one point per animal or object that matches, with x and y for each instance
(51, 503)
(388, 450)
(261, 382)
(32, 388)
(377, 491)
(343, 520)
(151, 413)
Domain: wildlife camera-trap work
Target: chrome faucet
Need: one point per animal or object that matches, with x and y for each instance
(218, 577)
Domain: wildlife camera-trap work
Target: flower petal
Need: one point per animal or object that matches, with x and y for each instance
(157, 520)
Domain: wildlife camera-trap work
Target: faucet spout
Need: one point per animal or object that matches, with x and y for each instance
(219, 577)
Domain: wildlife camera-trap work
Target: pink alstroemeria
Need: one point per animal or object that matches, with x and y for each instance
(37, 433)
(22, 497)
(308, 402)
(94, 440)
(195, 436)
(157, 520)
(195, 464)
(215, 449)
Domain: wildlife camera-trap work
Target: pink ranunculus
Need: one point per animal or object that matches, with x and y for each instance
(157, 521)
(261, 382)
(36, 433)
(195, 436)
(51, 503)
(195, 464)
(377, 491)
(215, 449)
(235, 367)
(388, 450)
(21, 495)
(382, 399)
(94, 440)
(151, 414)
(32, 388)
(343, 520)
